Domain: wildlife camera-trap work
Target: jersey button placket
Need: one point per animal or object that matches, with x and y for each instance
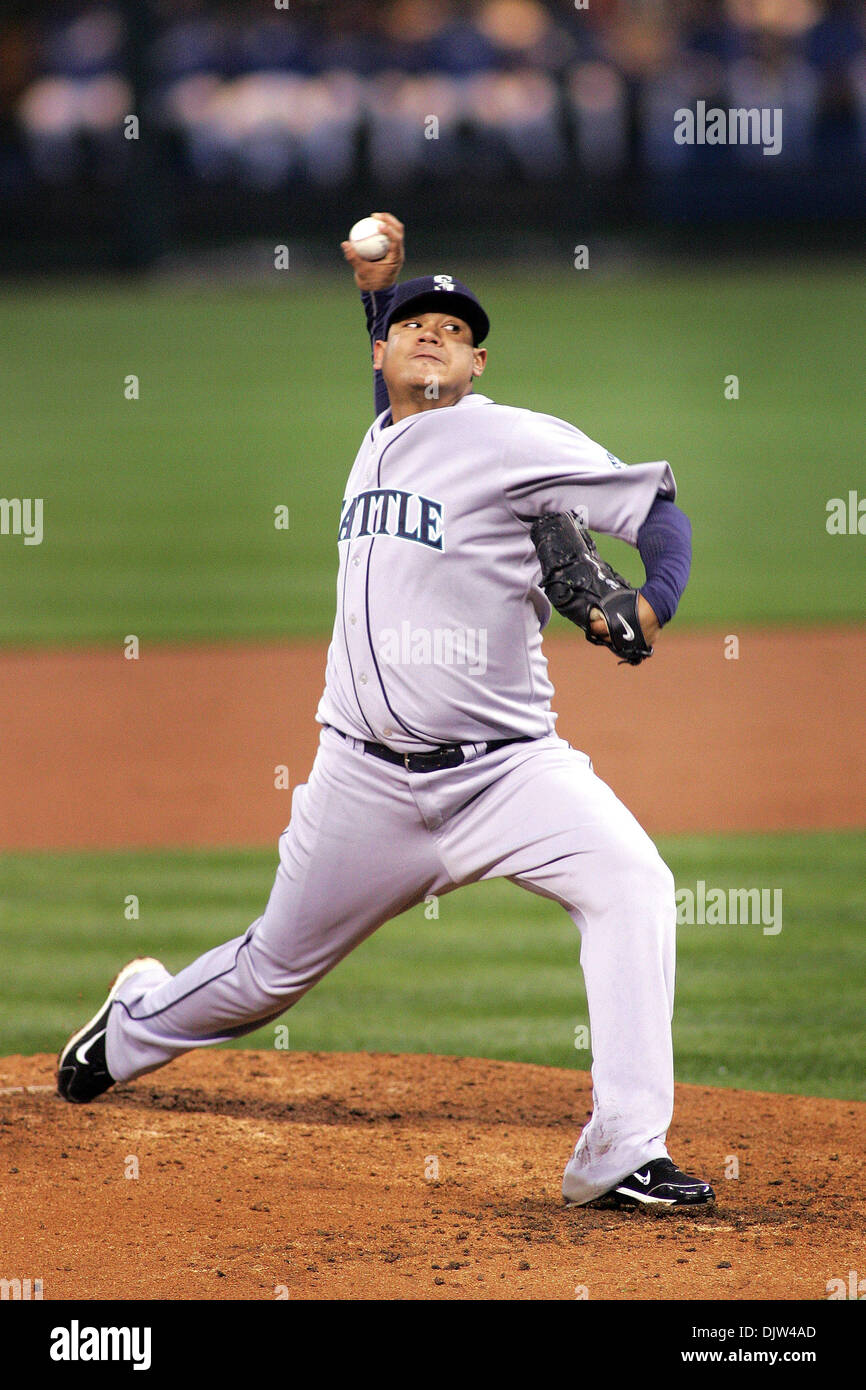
(357, 648)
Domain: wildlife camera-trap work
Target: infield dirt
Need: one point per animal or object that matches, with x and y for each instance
(180, 747)
(368, 1176)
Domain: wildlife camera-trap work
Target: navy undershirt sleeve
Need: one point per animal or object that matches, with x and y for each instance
(376, 306)
(665, 545)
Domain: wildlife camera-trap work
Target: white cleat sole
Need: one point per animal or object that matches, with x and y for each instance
(134, 967)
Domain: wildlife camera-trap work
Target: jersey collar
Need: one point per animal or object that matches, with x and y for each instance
(384, 422)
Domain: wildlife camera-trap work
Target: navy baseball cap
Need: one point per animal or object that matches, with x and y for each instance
(440, 294)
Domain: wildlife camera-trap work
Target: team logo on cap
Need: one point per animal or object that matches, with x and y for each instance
(443, 282)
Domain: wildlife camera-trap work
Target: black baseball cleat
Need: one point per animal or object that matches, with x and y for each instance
(82, 1071)
(657, 1184)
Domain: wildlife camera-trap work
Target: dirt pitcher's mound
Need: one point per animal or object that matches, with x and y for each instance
(258, 1175)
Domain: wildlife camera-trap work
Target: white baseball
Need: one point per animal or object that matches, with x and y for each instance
(369, 240)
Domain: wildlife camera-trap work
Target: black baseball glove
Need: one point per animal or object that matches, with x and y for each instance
(577, 580)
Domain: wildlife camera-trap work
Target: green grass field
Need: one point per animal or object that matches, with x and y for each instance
(158, 512)
(497, 975)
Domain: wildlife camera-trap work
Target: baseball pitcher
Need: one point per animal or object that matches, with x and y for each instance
(463, 522)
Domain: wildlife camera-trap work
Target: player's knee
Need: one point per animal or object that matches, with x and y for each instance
(659, 879)
(647, 881)
(664, 882)
(277, 982)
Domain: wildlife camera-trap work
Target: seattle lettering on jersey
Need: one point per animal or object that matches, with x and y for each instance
(387, 512)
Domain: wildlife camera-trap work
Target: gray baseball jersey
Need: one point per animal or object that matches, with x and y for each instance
(437, 637)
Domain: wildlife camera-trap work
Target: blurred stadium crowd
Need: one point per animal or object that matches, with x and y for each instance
(317, 94)
(266, 95)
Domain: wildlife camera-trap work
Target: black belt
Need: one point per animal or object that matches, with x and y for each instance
(446, 755)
